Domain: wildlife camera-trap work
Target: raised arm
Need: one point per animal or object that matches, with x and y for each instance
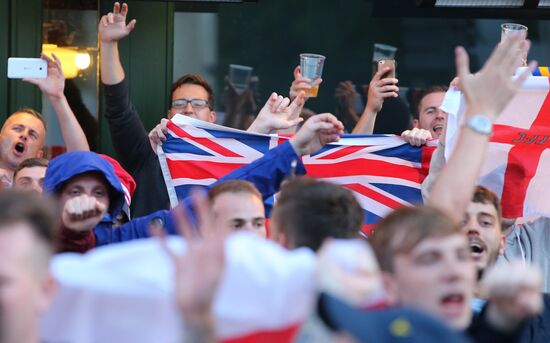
(52, 87)
(379, 90)
(112, 28)
(486, 93)
(198, 272)
(297, 88)
(128, 134)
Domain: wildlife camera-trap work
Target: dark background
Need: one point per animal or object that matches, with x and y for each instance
(269, 35)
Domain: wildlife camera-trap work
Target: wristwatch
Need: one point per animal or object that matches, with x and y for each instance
(480, 124)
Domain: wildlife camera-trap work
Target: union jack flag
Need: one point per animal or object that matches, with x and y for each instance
(383, 171)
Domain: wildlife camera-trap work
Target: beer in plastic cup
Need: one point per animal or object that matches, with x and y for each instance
(312, 67)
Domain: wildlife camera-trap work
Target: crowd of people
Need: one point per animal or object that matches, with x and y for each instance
(450, 269)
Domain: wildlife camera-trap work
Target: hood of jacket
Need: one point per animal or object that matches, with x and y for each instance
(68, 165)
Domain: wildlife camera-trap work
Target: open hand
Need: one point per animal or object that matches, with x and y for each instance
(199, 270)
(489, 91)
(112, 26)
(278, 113)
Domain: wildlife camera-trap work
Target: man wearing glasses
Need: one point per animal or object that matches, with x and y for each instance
(190, 95)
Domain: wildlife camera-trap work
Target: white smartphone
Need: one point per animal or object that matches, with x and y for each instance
(19, 68)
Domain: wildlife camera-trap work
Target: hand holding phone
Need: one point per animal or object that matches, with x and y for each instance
(382, 86)
(19, 68)
(383, 64)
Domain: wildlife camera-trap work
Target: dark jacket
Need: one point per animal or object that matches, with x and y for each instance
(538, 328)
(131, 142)
(480, 330)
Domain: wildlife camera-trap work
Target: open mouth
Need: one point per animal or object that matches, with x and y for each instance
(453, 298)
(477, 247)
(438, 129)
(453, 304)
(20, 148)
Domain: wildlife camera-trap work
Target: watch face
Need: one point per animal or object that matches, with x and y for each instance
(486, 125)
(481, 124)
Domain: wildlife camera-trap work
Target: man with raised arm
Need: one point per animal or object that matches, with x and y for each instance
(52, 87)
(514, 287)
(190, 95)
(24, 132)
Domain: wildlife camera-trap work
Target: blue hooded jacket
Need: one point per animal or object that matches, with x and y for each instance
(265, 173)
(66, 166)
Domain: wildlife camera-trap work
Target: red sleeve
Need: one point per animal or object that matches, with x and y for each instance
(75, 241)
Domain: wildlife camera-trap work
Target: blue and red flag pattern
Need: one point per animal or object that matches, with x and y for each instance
(383, 171)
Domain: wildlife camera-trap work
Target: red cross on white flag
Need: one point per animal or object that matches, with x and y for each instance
(517, 164)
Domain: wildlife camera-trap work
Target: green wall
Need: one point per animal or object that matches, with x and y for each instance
(147, 59)
(4, 43)
(25, 41)
(20, 36)
(146, 56)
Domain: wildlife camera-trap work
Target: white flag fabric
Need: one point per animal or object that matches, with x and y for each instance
(124, 293)
(517, 164)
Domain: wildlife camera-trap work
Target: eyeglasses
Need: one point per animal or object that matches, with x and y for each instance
(195, 103)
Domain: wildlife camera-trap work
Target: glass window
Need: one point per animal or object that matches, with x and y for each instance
(70, 31)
